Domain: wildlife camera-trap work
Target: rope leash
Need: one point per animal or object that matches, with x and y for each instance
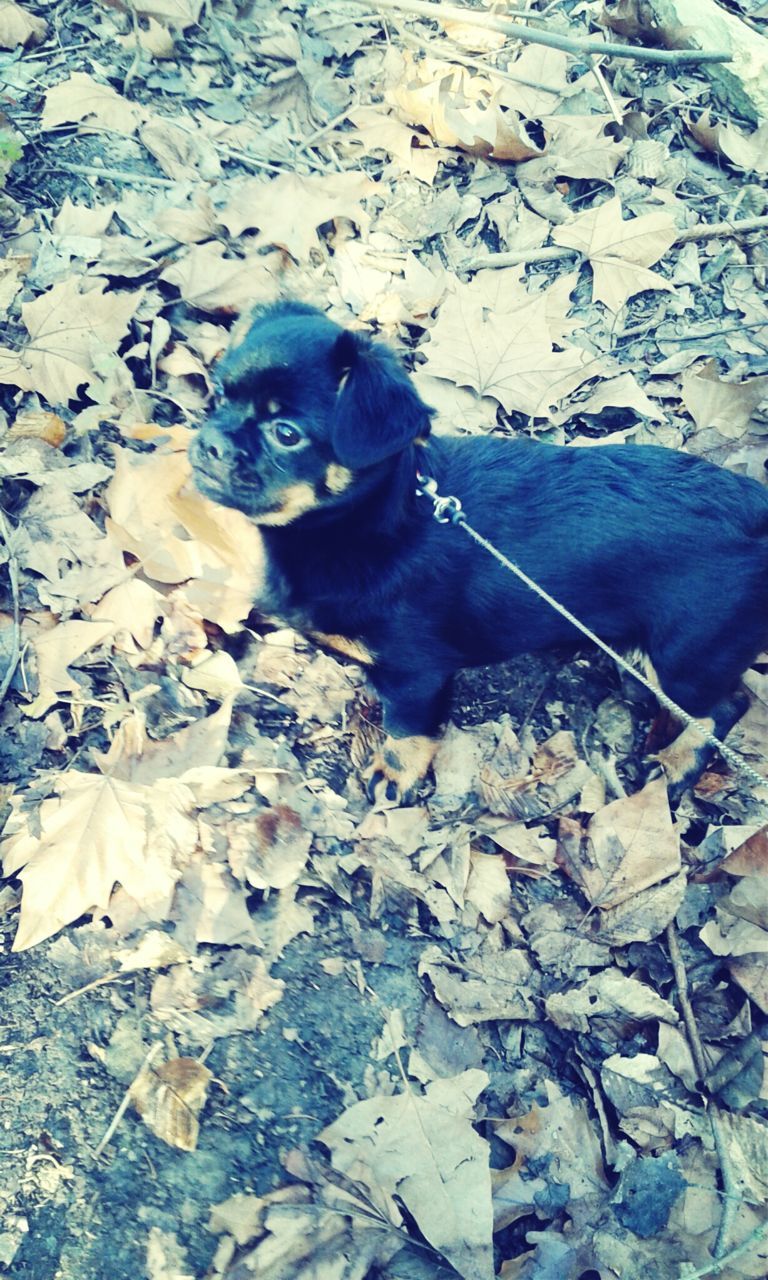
(448, 510)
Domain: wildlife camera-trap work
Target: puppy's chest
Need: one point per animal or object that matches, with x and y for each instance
(313, 612)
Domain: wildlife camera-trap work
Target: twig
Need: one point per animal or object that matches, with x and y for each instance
(708, 230)
(126, 1102)
(515, 257)
(717, 1265)
(605, 89)
(117, 175)
(13, 574)
(731, 1195)
(535, 35)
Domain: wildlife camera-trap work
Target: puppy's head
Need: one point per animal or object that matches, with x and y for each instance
(307, 413)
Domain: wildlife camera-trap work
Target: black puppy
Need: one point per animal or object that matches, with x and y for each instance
(319, 436)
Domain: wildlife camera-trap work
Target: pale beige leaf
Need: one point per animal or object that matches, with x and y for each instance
(288, 209)
(607, 994)
(726, 406)
(80, 97)
(93, 833)
(509, 357)
(424, 1151)
(175, 13)
(207, 279)
(132, 607)
(68, 326)
(488, 988)
(19, 27)
(619, 251)
(56, 650)
(630, 844)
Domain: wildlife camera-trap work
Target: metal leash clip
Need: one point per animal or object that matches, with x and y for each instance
(445, 510)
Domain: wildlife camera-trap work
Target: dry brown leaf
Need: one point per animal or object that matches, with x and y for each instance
(488, 988)
(56, 650)
(18, 27)
(182, 537)
(745, 151)
(69, 326)
(289, 210)
(558, 1137)
(610, 994)
(423, 1152)
(93, 832)
(133, 608)
(580, 147)
(726, 406)
(509, 357)
(626, 847)
(278, 849)
(377, 131)
(620, 252)
(459, 109)
(208, 280)
(546, 70)
(133, 757)
(181, 151)
(81, 98)
(514, 784)
(169, 1099)
(174, 13)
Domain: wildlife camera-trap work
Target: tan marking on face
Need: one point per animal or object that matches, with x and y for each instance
(337, 478)
(273, 407)
(295, 500)
(399, 765)
(341, 644)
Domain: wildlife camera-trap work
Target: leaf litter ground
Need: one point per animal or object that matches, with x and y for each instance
(251, 1027)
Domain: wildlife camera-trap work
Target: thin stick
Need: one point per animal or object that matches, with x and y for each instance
(117, 175)
(717, 1265)
(708, 230)
(731, 1194)
(13, 574)
(438, 50)
(536, 35)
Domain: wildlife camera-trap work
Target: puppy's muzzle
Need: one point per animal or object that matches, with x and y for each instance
(216, 459)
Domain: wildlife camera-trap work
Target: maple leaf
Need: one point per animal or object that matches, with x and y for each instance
(94, 832)
(68, 326)
(508, 357)
(80, 97)
(620, 252)
(56, 650)
(208, 280)
(288, 210)
(180, 537)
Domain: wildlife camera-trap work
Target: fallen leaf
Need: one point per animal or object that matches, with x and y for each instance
(620, 252)
(421, 1151)
(169, 1099)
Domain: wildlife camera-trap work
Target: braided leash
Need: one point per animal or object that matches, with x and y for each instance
(448, 510)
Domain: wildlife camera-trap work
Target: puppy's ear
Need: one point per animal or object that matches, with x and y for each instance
(378, 412)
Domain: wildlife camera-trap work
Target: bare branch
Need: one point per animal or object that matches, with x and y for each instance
(537, 35)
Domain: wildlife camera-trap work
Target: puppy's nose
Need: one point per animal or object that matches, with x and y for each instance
(213, 445)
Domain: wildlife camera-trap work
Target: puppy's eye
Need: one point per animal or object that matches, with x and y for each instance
(285, 434)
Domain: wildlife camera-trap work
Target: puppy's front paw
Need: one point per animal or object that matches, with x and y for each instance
(397, 768)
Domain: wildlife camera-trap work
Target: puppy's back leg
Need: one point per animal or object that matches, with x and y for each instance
(689, 754)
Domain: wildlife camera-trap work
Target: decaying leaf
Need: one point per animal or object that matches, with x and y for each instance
(169, 1099)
